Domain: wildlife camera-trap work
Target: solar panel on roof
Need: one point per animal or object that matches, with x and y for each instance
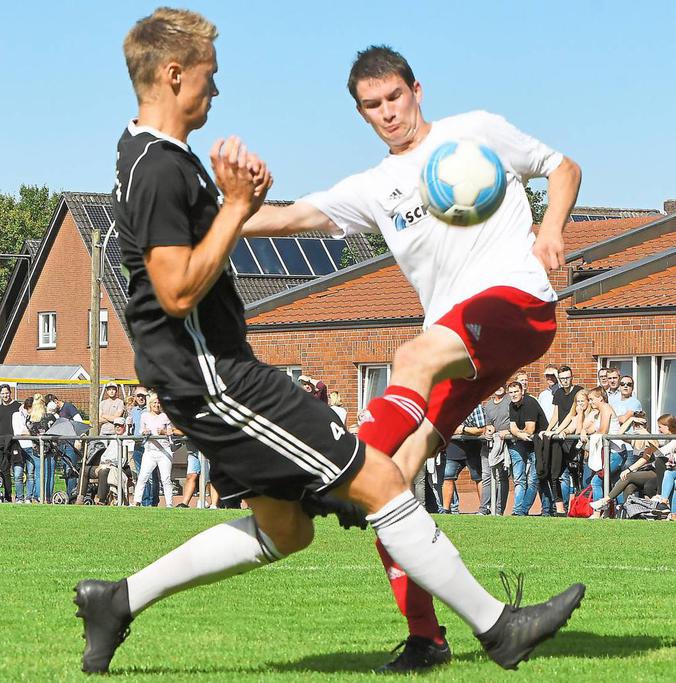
(340, 253)
(317, 256)
(292, 256)
(579, 217)
(243, 260)
(266, 256)
(98, 216)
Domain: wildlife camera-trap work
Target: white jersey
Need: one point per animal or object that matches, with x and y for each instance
(447, 264)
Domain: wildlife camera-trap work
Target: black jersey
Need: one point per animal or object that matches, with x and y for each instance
(164, 197)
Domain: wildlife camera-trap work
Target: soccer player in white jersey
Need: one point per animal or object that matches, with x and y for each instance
(266, 439)
(489, 306)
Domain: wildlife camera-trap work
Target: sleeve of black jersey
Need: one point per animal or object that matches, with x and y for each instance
(158, 203)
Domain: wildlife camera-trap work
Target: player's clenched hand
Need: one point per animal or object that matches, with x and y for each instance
(548, 249)
(262, 180)
(232, 168)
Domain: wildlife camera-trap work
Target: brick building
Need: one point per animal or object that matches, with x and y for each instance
(308, 311)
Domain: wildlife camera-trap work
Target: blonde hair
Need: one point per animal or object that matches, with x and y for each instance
(600, 392)
(167, 34)
(152, 396)
(39, 409)
(335, 399)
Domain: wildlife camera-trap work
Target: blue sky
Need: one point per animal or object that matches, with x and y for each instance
(594, 79)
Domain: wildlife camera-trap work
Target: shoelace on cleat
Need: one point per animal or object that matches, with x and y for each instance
(514, 602)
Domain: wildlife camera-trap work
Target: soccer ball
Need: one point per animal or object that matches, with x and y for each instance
(462, 183)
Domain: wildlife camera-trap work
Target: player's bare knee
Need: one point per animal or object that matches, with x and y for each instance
(289, 528)
(377, 482)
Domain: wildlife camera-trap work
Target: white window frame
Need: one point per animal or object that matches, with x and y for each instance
(362, 383)
(660, 388)
(293, 371)
(48, 341)
(103, 327)
(656, 378)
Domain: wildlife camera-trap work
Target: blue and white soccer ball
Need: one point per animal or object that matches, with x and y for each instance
(463, 183)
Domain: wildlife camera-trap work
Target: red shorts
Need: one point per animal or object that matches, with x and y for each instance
(503, 329)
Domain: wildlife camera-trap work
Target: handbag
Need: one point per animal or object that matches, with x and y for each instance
(580, 505)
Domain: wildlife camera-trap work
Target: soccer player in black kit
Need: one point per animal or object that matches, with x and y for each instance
(266, 439)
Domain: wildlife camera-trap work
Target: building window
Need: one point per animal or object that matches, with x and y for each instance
(373, 380)
(47, 330)
(293, 371)
(654, 382)
(103, 327)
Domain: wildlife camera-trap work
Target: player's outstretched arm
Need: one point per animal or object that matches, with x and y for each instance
(562, 189)
(182, 275)
(277, 221)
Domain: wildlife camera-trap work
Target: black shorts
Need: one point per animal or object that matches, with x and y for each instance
(264, 435)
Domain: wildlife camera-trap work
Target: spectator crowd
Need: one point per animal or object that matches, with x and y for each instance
(545, 447)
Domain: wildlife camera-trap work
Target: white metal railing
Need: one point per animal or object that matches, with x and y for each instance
(122, 455)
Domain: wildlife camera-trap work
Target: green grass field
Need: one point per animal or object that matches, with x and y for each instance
(326, 614)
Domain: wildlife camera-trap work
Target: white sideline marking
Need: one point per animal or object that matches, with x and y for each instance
(529, 567)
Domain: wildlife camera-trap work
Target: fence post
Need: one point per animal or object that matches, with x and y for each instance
(202, 480)
(42, 470)
(605, 449)
(119, 471)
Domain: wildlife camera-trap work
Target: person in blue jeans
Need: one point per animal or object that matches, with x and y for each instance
(151, 491)
(526, 417)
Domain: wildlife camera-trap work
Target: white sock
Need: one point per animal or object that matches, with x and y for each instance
(217, 553)
(421, 549)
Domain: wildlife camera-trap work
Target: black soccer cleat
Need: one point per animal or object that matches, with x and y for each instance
(348, 514)
(104, 608)
(520, 629)
(418, 654)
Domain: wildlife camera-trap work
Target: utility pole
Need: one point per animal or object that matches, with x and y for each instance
(94, 333)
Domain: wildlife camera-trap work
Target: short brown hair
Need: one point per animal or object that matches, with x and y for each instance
(515, 385)
(377, 62)
(166, 34)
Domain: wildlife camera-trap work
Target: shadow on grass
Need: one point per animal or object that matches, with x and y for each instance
(567, 644)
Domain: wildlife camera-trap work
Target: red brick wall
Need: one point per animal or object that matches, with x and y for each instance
(64, 287)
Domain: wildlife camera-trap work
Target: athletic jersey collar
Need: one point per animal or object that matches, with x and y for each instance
(136, 130)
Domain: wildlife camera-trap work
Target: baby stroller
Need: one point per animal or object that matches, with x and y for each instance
(69, 459)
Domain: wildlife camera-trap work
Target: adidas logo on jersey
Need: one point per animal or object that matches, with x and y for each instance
(396, 193)
(203, 182)
(474, 329)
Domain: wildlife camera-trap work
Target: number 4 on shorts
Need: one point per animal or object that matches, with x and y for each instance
(337, 430)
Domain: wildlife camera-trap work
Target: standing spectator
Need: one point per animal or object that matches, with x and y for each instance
(563, 401)
(68, 411)
(461, 454)
(546, 396)
(336, 403)
(493, 466)
(602, 375)
(157, 452)
(521, 377)
(525, 418)
(151, 491)
(613, 390)
(315, 387)
(7, 409)
(109, 408)
(605, 422)
(625, 407)
(192, 478)
(627, 404)
(39, 421)
(31, 493)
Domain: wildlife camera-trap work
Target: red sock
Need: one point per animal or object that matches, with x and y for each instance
(395, 416)
(413, 602)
